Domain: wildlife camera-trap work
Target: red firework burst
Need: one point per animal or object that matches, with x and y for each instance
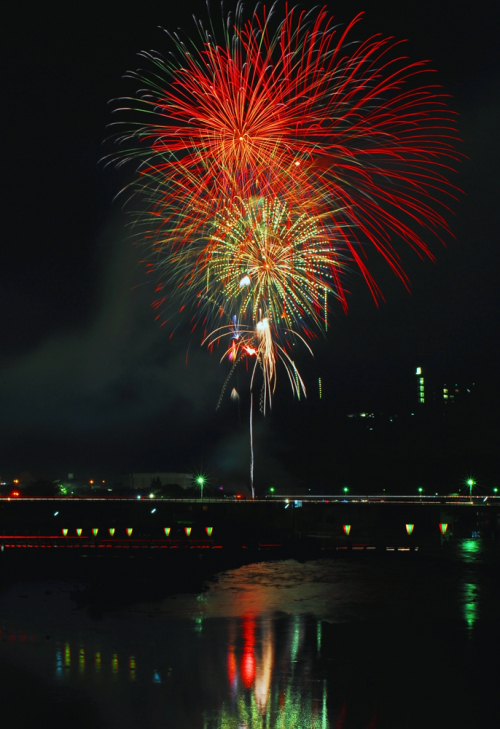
(353, 131)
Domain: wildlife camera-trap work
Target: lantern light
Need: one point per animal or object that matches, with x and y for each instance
(65, 532)
(79, 532)
(129, 531)
(167, 531)
(209, 531)
(443, 528)
(94, 532)
(347, 529)
(112, 531)
(410, 528)
(188, 531)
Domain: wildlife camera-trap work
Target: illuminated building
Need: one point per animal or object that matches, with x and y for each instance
(435, 390)
(421, 385)
(145, 480)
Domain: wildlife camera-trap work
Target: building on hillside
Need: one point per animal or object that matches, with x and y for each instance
(433, 390)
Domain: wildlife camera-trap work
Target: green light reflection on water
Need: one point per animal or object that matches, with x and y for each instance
(293, 710)
(470, 603)
(198, 625)
(296, 638)
(470, 549)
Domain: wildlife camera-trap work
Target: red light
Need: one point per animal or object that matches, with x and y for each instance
(238, 496)
(14, 493)
(231, 665)
(248, 657)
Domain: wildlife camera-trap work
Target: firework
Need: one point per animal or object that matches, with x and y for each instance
(361, 134)
(272, 157)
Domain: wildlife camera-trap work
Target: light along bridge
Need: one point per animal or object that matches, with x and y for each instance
(293, 525)
(452, 499)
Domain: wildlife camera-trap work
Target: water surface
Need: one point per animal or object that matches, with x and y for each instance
(397, 642)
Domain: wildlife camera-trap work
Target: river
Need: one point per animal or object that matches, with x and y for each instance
(369, 643)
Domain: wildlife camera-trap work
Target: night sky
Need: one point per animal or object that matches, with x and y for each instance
(90, 384)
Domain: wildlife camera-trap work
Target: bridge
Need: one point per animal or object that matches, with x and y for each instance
(290, 525)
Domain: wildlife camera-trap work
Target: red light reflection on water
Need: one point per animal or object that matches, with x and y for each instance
(231, 665)
(248, 657)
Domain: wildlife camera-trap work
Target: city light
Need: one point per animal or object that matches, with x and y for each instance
(470, 483)
(200, 480)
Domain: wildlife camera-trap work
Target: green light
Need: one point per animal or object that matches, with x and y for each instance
(495, 491)
(129, 531)
(443, 528)
(346, 490)
(209, 531)
(347, 529)
(470, 483)
(79, 532)
(200, 480)
(167, 531)
(410, 528)
(271, 489)
(420, 490)
(188, 531)
(94, 532)
(65, 532)
(471, 603)
(112, 531)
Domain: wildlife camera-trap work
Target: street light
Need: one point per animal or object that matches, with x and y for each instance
(470, 484)
(201, 481)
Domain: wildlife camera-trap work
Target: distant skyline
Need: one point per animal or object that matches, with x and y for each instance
(88, 381)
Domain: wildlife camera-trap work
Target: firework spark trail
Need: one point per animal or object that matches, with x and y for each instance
(260, 344)
(298, 109)
(274, 157)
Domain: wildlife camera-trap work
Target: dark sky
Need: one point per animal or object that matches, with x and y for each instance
(88, 381)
